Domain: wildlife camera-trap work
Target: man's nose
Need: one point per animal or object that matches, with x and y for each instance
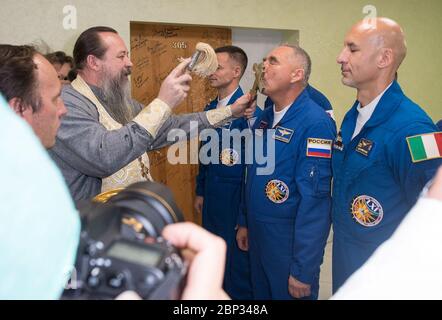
(264, 65)
(342, 57)
(129, 63)
(62, 109)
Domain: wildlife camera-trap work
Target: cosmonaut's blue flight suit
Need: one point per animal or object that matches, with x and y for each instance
(287, 212)
(439, 125)
(315, 95)
(375, 181)
(220, 185)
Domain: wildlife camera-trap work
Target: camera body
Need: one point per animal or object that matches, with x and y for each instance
(121, 248)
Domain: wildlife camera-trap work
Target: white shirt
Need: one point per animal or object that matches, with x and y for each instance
(223, 102)
(366, 112)
(278, 115)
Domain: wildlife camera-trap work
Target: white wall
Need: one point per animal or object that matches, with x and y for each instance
(256, 43)
(322, 25)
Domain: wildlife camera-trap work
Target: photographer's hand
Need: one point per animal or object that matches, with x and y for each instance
(128, 295)
(198, 205)
(206, 271)
(242, 238)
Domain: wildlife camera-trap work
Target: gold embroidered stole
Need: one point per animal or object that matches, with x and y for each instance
(137, 170)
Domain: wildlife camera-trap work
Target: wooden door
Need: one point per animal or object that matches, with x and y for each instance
(155, 49)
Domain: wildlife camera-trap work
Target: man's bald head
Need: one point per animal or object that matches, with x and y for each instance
(385, 33)
(373, 51)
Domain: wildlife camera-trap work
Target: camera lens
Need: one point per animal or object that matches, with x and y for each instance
(149, 205)
(120, 243)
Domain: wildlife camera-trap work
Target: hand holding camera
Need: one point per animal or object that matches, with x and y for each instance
(122, 253)
(206, 254)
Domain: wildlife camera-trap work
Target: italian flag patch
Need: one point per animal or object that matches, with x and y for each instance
(425, 146)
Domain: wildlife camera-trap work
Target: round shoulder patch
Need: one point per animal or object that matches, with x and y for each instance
(277, 191)
(229, 157)
(366, 210)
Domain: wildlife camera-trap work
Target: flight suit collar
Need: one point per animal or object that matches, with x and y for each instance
(295, 108)
(387, 105)
(238, 93)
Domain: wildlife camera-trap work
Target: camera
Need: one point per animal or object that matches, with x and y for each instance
(121, 246)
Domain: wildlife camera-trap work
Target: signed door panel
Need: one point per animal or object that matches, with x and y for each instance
(155, 50)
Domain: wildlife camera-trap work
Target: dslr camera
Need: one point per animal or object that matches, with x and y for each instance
(121, 246)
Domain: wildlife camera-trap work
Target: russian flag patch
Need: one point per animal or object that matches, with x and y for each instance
(320, 148)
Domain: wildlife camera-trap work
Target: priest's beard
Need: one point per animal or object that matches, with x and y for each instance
(116, 90)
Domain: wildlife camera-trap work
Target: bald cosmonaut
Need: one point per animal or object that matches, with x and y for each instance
(377, 47)
(379, 168)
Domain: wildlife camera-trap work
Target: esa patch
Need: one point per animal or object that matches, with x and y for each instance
(366, 210)
(277, 191)
(364, 147)
(320, 148)
(338, 144)
(229, 157)
(283, 134)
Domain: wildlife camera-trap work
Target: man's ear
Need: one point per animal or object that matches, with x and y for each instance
(297, 75)
(21, 109)
(386, 58)
(17, 105)
(237, 72)
(93, 62)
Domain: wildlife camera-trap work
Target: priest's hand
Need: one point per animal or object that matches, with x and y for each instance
(175, 87)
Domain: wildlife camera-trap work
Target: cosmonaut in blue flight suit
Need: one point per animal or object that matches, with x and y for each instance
(287, 212)
(220, 186)
(376, 178)
(316, 95)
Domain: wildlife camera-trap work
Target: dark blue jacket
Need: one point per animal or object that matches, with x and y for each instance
(231, 173)
(221, 186)
(287, 212)
(375, 181)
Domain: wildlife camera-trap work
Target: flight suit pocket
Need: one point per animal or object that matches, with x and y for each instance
(320, 176)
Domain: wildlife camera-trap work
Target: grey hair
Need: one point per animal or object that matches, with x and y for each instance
(306, 62)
